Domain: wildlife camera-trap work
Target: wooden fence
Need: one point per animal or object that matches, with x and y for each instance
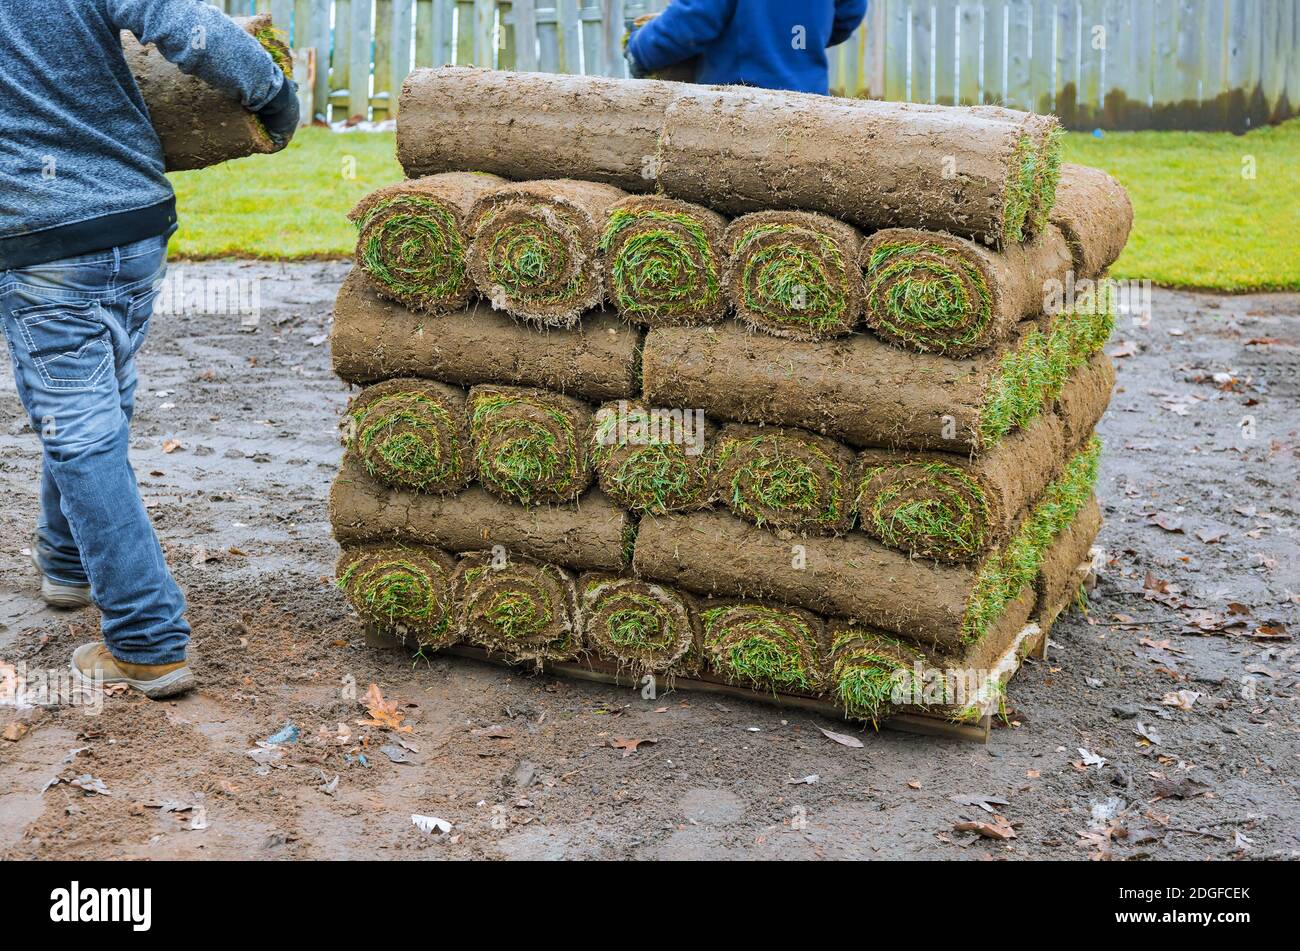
(1114, 64)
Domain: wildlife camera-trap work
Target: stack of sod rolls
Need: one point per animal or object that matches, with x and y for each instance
(714, 408)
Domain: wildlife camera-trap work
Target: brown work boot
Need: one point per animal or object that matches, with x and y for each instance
(92, 663)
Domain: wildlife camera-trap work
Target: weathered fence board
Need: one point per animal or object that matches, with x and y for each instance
(1115, 64)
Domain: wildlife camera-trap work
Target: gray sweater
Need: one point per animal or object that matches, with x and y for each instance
(81, 168)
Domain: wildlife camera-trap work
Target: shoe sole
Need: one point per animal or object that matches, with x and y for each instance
(168, 685)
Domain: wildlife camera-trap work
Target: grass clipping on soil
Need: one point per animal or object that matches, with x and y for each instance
(1010, 570)
(1028, 377)
(529, 445)
(403, 591)
(412, 434)
(521, 608)
(411, 239)
(869, 670)
(651, 460)
(794, 274)
(663, 261)
(535, 250)
(767, 647)
(646, 627)
(785, 479)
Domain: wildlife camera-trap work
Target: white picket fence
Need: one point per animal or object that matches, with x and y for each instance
(1225, 64)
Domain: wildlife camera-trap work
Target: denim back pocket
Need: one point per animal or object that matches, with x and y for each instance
(139, 311)
(68, 343)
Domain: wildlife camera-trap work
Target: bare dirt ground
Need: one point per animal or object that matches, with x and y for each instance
(1098, 758)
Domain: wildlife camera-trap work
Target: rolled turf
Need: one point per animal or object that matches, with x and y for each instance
(411, 239)
(373, 339)
(939, 168)
(590, 535)
(956, 507)
(937, 606)
(867, 393)
(663, 261)
(530, 445)
(532, 125)
(785, 478)
(650, 460)
(199, 125)
(642, 626)
(767, 647)
(937, 293)
(413, 434)
(518, 607)
(536, 245)
(794, 274)
(869, 669)
(402, 590)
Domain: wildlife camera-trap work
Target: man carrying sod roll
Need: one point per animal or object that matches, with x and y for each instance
(85, 214)
(772, 44)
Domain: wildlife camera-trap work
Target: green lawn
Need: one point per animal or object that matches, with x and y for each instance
(1200, 222)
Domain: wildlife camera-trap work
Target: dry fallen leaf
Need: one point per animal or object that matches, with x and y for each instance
(997, 828)
(171, 445)
(1182, 699)
(383, 713)
(628, 744)
(850, 741)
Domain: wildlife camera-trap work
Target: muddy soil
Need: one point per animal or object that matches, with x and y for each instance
(1199, 494)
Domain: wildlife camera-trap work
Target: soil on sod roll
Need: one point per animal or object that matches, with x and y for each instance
(794, 274)
(936, 605)
(663, 261)
(642, 626)
(403, 591)
(518, 607)
(374, 339)
(784, 478)
(412, 238)
(956, 507)
(651, 460)
(945, 169)
(530, 445)
(590, 535)
(532, 125)
(770, 647)
(866, 393)
(1095, 214)
(199, 125)
(536, 245)
(412, 433)
(1065, 566)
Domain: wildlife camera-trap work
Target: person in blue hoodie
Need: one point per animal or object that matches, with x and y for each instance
(774, 44)
(85, 214)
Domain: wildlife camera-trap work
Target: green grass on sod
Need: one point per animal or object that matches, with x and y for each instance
(1200, 223)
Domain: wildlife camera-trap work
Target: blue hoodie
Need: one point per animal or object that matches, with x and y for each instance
(775, 44)
(81, 168)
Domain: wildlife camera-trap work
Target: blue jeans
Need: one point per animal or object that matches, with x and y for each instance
(73, 328)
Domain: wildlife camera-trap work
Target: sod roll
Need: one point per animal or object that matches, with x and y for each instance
(530, 445)
(956, 507)
(373, 339)
(642, 626)
(412, 434)
(401, 590)
(938, 293)
(535, 250)
(198, 124)
(867, 393)
(785, 478)
(412, 238)
(768, 647)
(590, 535)
(1095, 214)
(518, 607)
(943, 169)
(663, 261)
(1065, 566)
(935, 605)
(531, 125)
(794, 274)
(651, 460)
(869, 669)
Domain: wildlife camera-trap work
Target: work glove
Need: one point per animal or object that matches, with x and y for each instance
(634, 69)
(280, 115)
